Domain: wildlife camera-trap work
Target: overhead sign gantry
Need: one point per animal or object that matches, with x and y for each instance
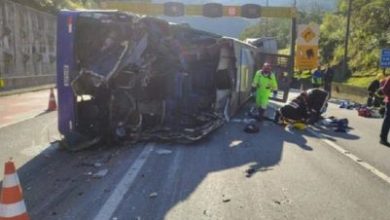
(212, 10)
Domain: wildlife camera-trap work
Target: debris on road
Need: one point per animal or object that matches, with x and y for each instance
(251, 128)
(100, 174)
(153, 195)
(97, 164)
(338, 125)
(226, 200)
(163, 151)
(277, 202)
(250, 172)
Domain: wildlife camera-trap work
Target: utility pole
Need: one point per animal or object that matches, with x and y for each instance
(345, 66)
(293, 42)
(266, 21)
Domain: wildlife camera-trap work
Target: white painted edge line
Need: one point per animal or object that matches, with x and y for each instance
(123, 186)
(22, 119)
(351, 156)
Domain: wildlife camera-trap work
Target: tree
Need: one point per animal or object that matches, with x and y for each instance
(278, 28)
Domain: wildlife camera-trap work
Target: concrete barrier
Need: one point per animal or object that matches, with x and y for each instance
(353, 93)
(27, 46)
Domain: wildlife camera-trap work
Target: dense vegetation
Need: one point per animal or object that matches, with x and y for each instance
(370, 31)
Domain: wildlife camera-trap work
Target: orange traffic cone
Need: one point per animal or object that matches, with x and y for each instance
(12, 206)
(52, 101)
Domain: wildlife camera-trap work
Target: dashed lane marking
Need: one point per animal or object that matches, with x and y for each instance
(351, 156)
(123, 186)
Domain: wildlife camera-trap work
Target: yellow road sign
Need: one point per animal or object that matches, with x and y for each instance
(308, 34)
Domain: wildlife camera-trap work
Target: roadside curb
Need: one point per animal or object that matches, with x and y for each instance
(26, 90)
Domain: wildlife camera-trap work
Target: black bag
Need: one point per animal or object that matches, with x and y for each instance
(251, 128)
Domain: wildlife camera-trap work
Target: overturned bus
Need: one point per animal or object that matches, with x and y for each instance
(123, 77)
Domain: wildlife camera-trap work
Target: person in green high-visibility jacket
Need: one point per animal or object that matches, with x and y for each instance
(264, 83)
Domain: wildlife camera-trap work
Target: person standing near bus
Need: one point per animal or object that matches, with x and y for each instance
(263, 84)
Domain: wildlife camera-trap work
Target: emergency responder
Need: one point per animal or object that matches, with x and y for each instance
(316, 78)
(263, 84)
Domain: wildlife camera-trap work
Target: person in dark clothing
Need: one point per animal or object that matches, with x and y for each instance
(305, 108)
(328, 78)
(372, 88)
(386, 121)
(375, 96)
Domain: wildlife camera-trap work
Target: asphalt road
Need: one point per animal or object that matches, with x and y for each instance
(296, 175)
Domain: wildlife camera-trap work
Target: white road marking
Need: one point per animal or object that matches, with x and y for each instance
(123, 186)
(351, 156)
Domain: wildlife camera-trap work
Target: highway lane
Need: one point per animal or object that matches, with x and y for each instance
(362, 140)
(296, 176)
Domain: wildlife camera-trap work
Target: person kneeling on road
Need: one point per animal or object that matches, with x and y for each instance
(263, 84)
(306, 108)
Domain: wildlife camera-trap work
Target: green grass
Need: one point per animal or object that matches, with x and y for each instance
(363, 78)
(362, 82)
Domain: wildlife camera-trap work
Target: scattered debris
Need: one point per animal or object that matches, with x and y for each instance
(371, 112)
(153, 195)
(245, 120)
(250, 172)
(97, 164)
(163, 151)
(339, 125)
(251, 128)
(100, 174)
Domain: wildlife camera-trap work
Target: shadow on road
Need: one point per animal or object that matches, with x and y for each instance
(59, 184)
